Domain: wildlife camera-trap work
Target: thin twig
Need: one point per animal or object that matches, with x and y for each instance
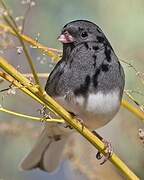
(22, 43)
(40, 75)
(30, 75)
(137, 112)
(25, 16)
(136, 71)
(7, 11)
(30, 117)
(55, 54)
(127, 92)
(22, 88)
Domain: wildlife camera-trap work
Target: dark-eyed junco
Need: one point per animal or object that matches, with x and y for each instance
(88, 81)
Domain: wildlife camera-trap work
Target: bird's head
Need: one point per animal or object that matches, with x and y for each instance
(81, 31)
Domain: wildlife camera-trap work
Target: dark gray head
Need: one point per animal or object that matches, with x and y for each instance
(81, 31)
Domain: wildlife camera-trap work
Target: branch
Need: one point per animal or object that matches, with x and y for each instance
(22, 88)
(51, 52)
(30, 117)
(127, 92)
(135, 111)
(138, 74)
(40, 75)
(11, 22)
(48, 101)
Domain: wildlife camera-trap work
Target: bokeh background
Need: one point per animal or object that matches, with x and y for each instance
(123, 23)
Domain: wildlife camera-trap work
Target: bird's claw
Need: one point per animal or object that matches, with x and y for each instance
(108, 148)
(99, 155)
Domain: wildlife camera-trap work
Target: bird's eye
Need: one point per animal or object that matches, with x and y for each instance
(84, 34)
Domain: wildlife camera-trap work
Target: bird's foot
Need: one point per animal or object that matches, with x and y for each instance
(45, 114)
(42, 111)
(108, 148)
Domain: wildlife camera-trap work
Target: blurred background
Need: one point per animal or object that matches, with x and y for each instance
(123, 23)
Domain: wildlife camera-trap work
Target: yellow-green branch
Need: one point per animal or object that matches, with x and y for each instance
(30, 117)
(26, 53)
(134, 110)
(40, 75)
(47, 100)
(22, 88)
(51, 52)
(11, 22)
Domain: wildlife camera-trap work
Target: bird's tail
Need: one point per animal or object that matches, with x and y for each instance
(47, 152)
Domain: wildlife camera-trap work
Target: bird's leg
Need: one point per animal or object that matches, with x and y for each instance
(108, 148)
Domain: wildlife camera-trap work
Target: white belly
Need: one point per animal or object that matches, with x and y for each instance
(96, 110)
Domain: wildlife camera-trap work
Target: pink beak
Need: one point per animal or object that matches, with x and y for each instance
(66, 38)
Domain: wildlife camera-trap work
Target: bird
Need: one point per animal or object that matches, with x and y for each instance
(88, 82)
